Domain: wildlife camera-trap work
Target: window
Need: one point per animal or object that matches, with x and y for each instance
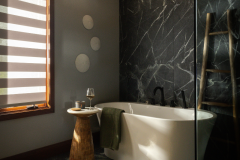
(26, 52)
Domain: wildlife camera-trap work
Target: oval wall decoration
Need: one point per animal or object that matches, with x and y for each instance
(82, 63)
(88, 22)
(95, 43)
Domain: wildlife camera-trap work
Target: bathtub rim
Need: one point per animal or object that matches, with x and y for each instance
(171, 108)
(214, 115)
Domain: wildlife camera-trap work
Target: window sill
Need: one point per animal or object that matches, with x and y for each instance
(15, 114)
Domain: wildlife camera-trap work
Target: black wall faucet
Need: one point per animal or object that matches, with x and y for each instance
(162, 103)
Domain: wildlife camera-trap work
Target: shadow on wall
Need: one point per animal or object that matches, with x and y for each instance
(157, 49)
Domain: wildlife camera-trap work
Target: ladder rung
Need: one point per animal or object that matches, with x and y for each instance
(217, 104)
(217, 33)
(216, 70)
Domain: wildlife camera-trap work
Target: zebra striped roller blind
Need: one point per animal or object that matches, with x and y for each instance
(22, 52)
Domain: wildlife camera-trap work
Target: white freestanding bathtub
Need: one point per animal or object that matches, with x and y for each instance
(205, 123)
(152, 132)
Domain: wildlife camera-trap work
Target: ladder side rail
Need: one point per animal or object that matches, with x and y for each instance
(204, 60)
(232, 68)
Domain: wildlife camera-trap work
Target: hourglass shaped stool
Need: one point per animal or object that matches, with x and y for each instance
(82, 142)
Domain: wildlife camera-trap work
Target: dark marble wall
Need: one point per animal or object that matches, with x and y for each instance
(218, 85)
(157, 49)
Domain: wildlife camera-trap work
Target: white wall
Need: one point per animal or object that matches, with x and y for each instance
(71, 38)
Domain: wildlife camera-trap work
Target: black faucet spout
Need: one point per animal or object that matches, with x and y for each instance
(162, 103)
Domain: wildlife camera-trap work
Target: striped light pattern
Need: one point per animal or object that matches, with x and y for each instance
(22, 87)
(21, 28)
(22, 13)
(22, 44)
(22, 90)
(22, 75)
(36, 2)
(22, 59)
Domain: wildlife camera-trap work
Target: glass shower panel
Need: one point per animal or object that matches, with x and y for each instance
(218, 79)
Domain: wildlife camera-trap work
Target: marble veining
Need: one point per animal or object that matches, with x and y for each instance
(218, 85)
(157, 49)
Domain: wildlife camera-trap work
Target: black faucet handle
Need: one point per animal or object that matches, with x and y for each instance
(172, 104)
(152, 100)
(162, 103)
(183, 99)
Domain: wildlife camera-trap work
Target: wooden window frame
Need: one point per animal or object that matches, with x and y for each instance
(22, 111)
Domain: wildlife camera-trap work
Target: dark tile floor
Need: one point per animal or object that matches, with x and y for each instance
(98, 153)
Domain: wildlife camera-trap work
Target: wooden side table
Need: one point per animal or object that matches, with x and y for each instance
(82, 142)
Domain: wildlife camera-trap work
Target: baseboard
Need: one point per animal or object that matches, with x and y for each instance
(42, 153)
(48, 151)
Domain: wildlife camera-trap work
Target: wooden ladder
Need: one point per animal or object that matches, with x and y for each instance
(232, 72)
